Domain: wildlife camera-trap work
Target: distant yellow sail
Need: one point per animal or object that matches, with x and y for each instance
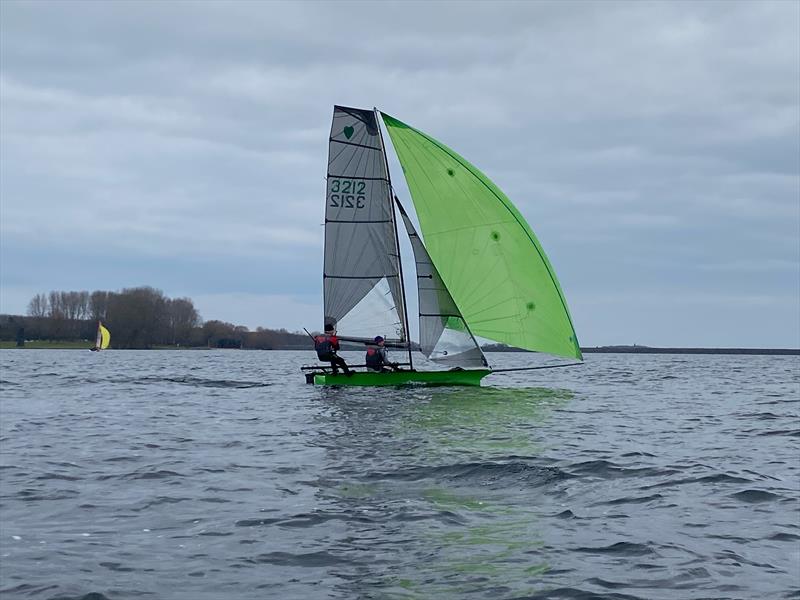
(103, 337)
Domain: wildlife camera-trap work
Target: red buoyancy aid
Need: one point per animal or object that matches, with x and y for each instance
(374, 358)
(325, 345)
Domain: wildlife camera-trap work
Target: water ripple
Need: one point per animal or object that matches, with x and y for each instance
(221, 474)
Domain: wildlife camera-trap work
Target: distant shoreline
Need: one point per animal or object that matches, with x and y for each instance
(649, 350)
(85, 344)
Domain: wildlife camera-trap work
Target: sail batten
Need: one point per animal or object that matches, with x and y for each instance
(485, 252)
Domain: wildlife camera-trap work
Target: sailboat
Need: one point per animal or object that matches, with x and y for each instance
(103, 338)
(481, 272)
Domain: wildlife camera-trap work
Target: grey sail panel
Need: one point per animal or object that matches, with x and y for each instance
(362, 287)
(444, 336)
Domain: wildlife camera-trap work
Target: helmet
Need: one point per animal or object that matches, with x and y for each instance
(378, 339)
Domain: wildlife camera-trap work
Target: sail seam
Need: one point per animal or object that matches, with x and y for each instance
(357, 177)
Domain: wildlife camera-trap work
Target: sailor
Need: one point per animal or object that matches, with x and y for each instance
(377, 357)
(326, 346)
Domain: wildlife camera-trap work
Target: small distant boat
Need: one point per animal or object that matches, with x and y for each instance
(480, 269)
(103, 338)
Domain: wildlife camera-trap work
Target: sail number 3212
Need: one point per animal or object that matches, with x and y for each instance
(346, 193)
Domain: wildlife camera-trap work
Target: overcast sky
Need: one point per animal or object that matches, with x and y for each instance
(653, 147)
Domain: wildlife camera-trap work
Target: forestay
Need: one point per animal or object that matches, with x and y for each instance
(362, 287)
(444, 336)
(486, 253)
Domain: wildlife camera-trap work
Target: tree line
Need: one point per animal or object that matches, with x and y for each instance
(140, 317)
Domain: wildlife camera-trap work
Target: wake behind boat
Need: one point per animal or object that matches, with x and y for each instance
(480, 269)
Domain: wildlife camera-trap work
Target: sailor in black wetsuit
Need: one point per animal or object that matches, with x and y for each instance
(326, 346)
(377, 358)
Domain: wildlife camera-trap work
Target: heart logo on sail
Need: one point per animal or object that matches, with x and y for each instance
(348, 132)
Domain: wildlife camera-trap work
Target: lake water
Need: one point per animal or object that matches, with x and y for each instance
(221, 474)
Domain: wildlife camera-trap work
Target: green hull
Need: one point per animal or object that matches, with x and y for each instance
(466, 377)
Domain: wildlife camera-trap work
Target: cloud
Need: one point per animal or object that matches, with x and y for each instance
(276, 311)
(184, 144)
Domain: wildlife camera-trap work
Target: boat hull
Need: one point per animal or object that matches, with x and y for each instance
(465, 377)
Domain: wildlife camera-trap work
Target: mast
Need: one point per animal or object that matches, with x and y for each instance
(396, 239)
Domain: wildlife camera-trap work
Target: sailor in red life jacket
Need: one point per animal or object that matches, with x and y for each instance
(326, 346)
(377, 357)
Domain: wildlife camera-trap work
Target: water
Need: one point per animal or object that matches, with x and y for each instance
(221, 474)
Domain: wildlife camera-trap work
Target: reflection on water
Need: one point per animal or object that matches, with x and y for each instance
(458, 496)
(482, 422)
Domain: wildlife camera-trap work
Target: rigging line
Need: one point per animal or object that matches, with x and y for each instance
(577, 364)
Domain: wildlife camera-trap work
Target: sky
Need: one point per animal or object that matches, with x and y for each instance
(653, 147)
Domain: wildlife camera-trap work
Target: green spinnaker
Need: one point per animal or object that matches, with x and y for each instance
(484, 250)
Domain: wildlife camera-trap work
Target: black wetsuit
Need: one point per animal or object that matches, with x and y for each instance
(326, 347)
(377, 359)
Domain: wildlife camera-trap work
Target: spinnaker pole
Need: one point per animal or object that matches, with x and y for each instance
(396, 239)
